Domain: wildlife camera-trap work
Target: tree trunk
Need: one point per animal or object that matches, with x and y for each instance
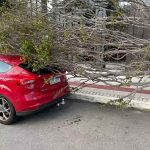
(44, 6)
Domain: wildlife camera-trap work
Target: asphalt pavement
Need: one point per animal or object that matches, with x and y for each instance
(79, 126)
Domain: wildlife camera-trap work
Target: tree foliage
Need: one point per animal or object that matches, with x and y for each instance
(26, 32)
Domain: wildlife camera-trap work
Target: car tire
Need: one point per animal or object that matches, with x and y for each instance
(7, 111)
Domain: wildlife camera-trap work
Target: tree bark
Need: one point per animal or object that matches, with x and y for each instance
(44, 6)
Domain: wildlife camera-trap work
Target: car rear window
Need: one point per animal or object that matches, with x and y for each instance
(42, 71)
(4, 67)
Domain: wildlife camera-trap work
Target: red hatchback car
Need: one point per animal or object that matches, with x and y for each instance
(23, 91)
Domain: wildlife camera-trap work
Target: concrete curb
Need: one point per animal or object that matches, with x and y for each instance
(98, 95)
(105, 100)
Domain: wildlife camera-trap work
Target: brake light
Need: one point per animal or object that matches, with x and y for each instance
(25, 82)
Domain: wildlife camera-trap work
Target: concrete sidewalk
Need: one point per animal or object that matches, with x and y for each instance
(103, 94)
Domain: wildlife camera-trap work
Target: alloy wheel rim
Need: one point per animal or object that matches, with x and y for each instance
(5, 110)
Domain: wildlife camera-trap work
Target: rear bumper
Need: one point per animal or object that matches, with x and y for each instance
(33, 100)
(41, 107)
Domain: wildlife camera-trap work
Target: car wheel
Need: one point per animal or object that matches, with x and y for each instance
(7, 111)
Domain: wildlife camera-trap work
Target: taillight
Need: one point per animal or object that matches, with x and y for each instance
(25, 82)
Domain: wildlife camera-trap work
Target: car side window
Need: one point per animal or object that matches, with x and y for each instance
(4, 67)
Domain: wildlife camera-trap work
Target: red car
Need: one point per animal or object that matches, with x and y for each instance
(23, 91)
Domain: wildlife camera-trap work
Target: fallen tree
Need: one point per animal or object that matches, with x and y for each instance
(73, 35)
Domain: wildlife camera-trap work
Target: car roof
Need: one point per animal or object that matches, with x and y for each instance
(11, 59)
